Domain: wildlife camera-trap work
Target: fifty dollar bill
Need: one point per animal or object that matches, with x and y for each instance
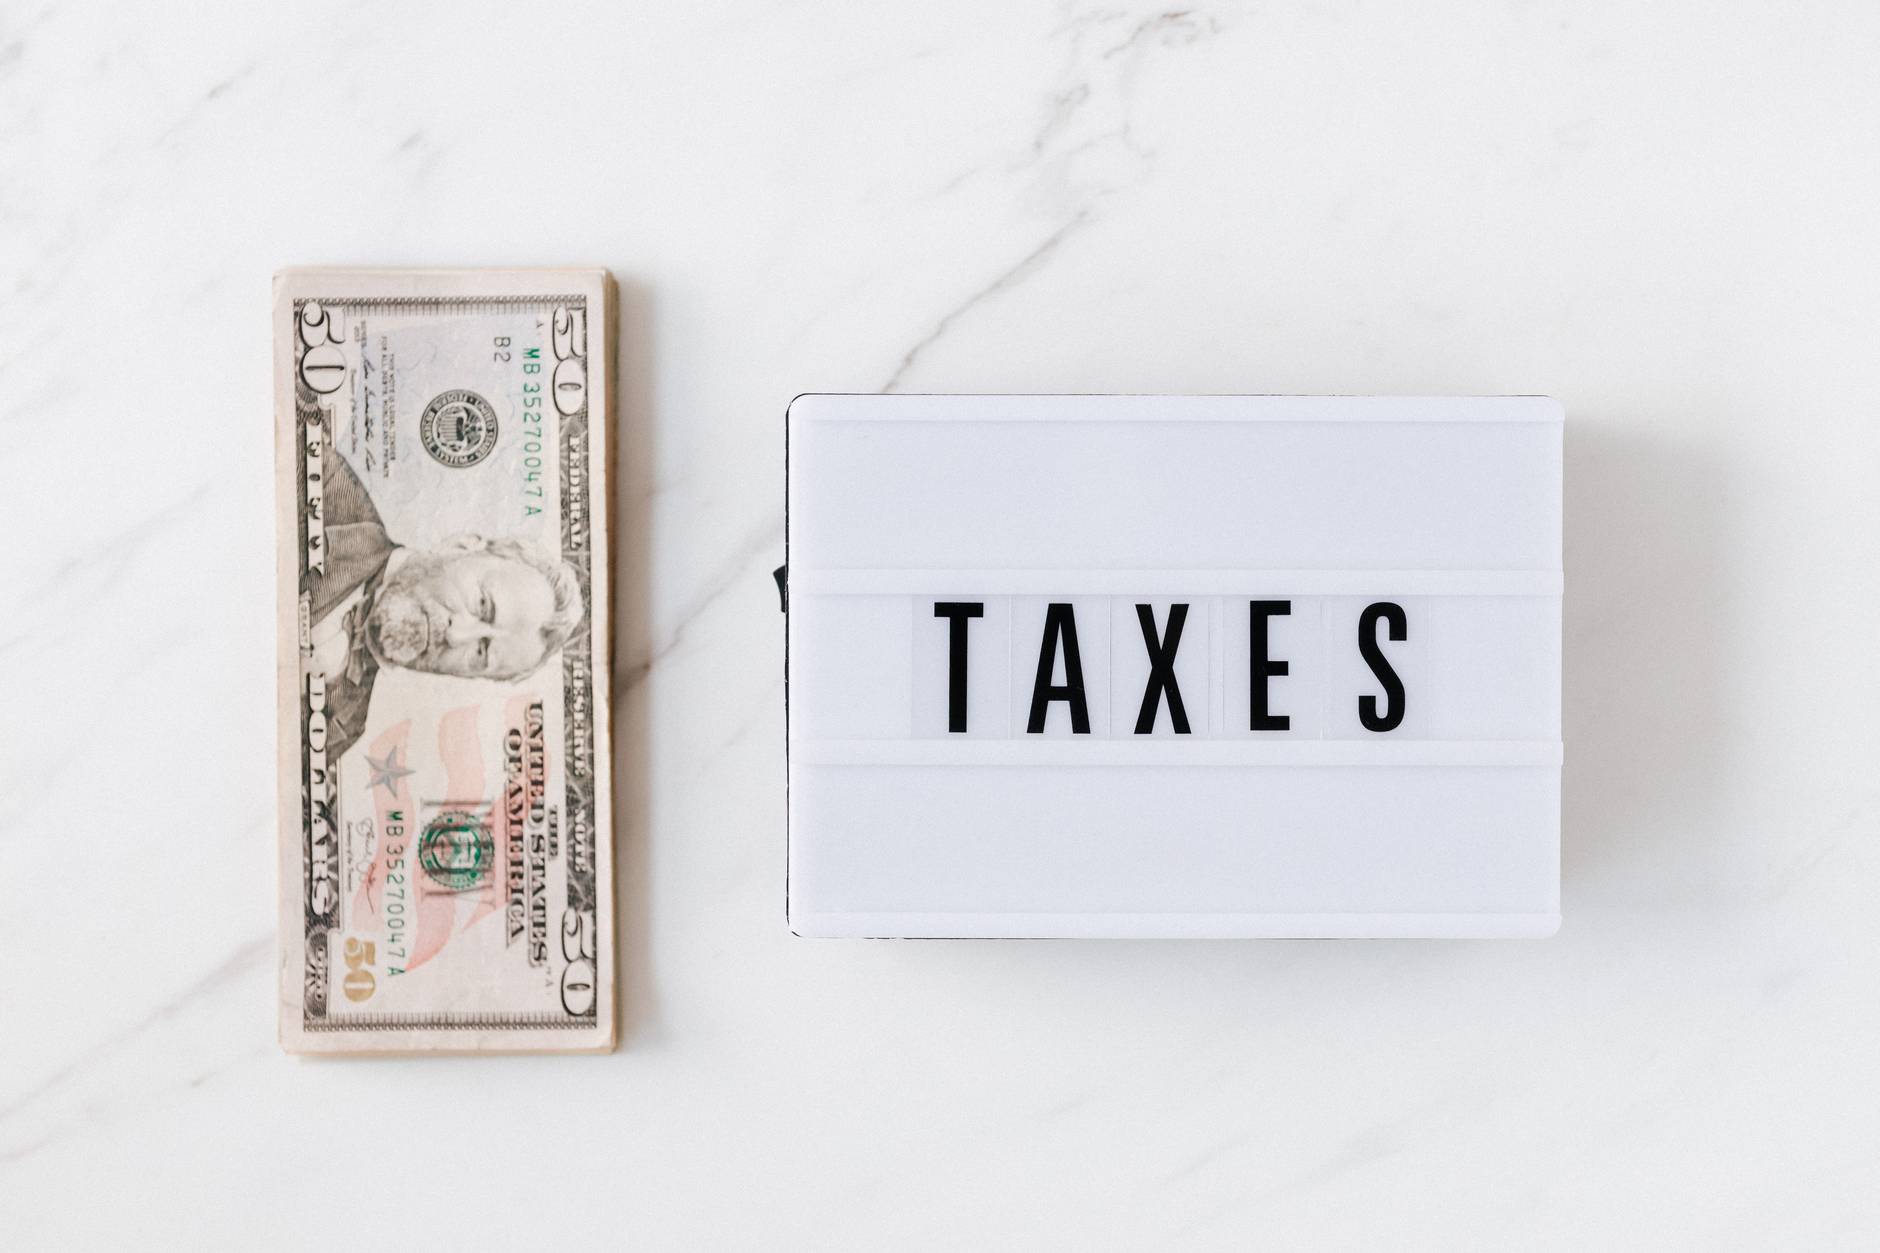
(441, 454)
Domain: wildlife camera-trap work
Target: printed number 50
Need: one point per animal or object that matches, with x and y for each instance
(577, 949)
(359, 983)
(322, 364)
(570, 344)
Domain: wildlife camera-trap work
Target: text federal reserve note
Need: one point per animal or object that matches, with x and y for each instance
(441, 454)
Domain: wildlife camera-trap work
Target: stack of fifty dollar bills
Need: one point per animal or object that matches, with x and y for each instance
(446, 866)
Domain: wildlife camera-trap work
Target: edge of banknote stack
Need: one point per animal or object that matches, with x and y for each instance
(464, 1028)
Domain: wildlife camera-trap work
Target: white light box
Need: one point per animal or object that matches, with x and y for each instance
(1174, 666)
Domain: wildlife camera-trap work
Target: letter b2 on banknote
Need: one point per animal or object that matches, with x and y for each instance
(446, 828)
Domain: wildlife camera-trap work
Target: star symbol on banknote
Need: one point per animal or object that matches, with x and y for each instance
(386, 771)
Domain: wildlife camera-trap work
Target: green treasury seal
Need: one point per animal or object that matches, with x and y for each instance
(456, 850)
(458, 428)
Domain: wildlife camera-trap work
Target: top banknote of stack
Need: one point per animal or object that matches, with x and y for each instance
(441, 459)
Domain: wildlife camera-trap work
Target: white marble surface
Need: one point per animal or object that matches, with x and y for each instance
(1662, 214)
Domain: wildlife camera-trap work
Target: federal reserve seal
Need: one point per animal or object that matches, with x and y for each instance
(456, 850)
(458, 428)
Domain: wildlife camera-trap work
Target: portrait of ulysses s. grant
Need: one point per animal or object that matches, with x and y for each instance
(472, 607)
